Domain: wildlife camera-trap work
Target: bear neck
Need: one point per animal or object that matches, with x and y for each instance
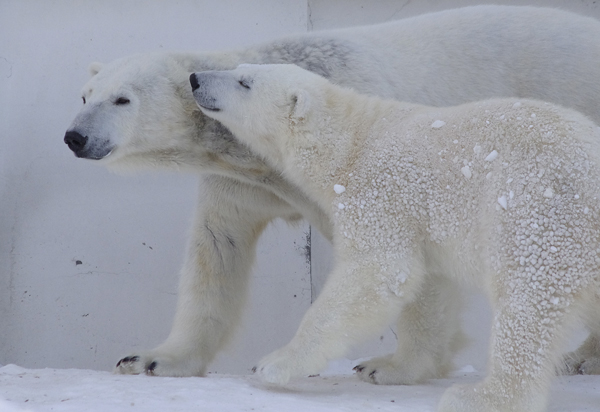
(214, 150)
(323, 150)
(209, 146)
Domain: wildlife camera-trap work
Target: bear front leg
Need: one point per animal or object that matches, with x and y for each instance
(356, 303)
(429, 335)
(213, 283)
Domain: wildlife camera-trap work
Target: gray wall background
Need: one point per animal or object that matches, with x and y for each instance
(129, 232)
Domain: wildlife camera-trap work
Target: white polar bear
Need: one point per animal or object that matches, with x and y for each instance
(501, 194)
(139, 112)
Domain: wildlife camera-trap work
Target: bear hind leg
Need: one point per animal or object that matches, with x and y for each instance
(586, 359)
(429, 335)
(527, 335)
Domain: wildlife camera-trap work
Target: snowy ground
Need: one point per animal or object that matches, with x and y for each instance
(79, 390)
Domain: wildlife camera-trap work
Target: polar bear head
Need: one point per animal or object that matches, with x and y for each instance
(263, 104)
(139, 111)
(121, 105)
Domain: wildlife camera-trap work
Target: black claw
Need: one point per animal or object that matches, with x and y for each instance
(128, 359)
(358, 368)
(372, 374)
(254, 369)
(151, 367)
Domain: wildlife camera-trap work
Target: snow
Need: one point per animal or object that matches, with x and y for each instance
(66, 390)
(492, 156)
(502, 201)
(339, 189)
(466, 172)
(437, 124)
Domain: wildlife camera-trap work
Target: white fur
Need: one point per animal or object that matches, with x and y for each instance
(442, 58)
(410, 210)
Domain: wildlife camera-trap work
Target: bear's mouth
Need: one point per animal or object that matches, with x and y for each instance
(210, 109)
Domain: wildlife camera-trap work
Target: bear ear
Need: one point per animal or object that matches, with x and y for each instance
(94, 68)
(301, 103)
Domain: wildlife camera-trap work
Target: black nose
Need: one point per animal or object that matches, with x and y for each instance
(194, 81)
(75, 141)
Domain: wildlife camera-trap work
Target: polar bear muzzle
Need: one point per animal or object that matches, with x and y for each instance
(203, 85)
(78, 143)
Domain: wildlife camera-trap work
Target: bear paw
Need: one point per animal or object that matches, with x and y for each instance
(282, 365)
(276, 372)
(131, 365)
(385, 371)
(590, 367)
(579, 366)
(159, 365)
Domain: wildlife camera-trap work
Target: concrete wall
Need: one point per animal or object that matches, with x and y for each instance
(89, 260)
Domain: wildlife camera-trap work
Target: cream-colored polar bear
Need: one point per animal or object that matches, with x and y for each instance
(139, 112)
(501, 194)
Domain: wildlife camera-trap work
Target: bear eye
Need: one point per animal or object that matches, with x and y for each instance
(244, 84)
(83, 97)
(121, 100)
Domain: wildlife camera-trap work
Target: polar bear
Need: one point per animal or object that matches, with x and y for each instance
(503, 194)
(138, 112)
